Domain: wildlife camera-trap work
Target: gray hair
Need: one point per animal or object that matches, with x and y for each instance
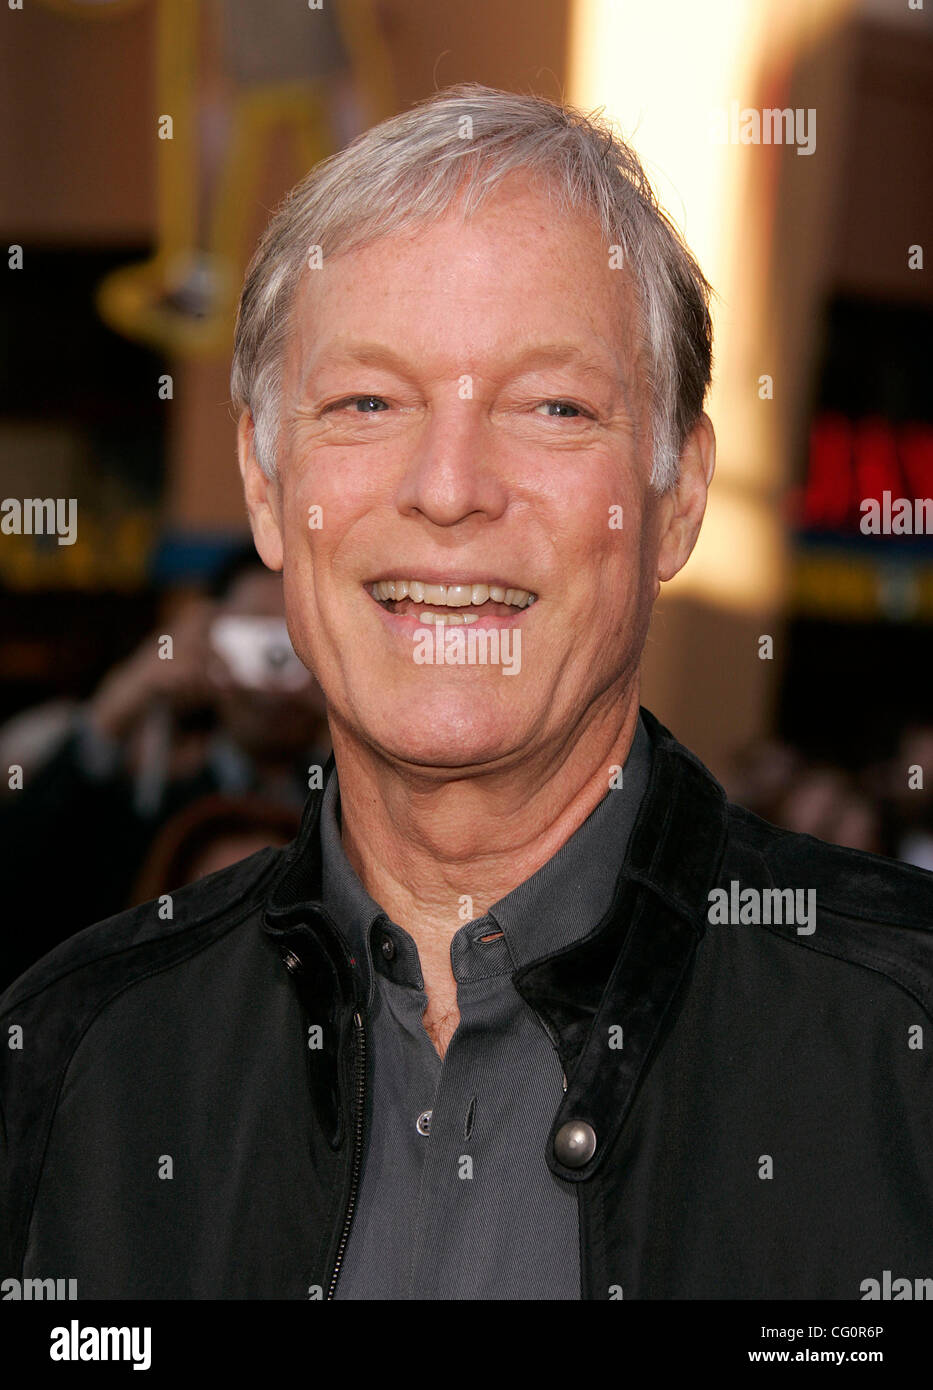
(456, 147)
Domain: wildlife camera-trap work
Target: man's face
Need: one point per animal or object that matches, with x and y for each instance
(461, 403)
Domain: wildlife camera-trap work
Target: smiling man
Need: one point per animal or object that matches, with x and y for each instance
(527, 1010)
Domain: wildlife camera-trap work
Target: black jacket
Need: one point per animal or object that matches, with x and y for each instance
(765, 1129)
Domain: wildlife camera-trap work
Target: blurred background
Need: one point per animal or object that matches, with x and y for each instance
(144, 145)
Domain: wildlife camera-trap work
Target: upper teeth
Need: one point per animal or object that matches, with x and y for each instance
(451, 595)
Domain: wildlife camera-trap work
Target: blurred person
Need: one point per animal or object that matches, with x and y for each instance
(28, 739)
(209, 835)
(232, 656)
(760, 773)
(903, 787)
(775, 782)
(232, 710)
(827, 803)
(527, 1009)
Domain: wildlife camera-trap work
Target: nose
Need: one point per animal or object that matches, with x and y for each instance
(453, 473)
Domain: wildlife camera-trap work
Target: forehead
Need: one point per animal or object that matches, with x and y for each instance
(467, 293)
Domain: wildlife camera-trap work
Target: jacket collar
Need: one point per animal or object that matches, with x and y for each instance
(626, 974)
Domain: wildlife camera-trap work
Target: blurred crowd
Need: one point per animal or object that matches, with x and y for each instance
(191, 756)
(884, 808)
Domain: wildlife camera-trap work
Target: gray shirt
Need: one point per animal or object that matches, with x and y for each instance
(456, 1200)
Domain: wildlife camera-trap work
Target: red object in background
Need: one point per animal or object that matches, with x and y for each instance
(827, 495)
(851, 461)
(915, 446)
(876, 467)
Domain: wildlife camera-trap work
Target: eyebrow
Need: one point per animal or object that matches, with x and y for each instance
(366, 354)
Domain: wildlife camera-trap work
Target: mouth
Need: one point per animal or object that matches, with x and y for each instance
(451, 604)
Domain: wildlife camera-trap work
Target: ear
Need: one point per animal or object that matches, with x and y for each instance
(263, 498)
(682, 508)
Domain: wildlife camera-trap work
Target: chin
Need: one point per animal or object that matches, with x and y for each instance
(445, 733)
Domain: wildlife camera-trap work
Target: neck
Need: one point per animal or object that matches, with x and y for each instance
(435, 853)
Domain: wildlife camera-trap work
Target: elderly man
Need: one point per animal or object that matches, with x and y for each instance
(527, 1010)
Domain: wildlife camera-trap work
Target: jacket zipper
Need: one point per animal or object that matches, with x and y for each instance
(357, 1148)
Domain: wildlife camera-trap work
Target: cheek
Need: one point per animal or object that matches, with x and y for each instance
(619, 559)
(307, 506)
(331, 499)
(304, 521)
(604, 534)
(313, 520)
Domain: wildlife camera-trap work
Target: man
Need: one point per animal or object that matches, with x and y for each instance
(527, 1010)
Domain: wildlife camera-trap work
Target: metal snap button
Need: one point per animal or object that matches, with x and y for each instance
(575, 1143)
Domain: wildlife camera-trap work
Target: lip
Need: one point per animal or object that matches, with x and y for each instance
(406, 624)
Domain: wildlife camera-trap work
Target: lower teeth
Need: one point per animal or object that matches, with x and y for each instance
(449, 619)
(444, 619)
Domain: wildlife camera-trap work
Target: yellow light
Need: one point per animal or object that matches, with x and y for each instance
(660, 70)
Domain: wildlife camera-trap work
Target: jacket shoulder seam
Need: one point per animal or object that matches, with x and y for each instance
(853, 953)
(862, 961)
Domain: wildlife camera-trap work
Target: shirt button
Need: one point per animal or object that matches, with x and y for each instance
(423, 1122)
(388, 948)
(574, 1144)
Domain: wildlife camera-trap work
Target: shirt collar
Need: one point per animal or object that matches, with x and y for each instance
(561, 902)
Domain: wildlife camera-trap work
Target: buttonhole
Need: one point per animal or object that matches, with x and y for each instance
(471, 1116)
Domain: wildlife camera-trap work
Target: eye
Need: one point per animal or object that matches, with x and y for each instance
(561, 410)
(365, 405)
